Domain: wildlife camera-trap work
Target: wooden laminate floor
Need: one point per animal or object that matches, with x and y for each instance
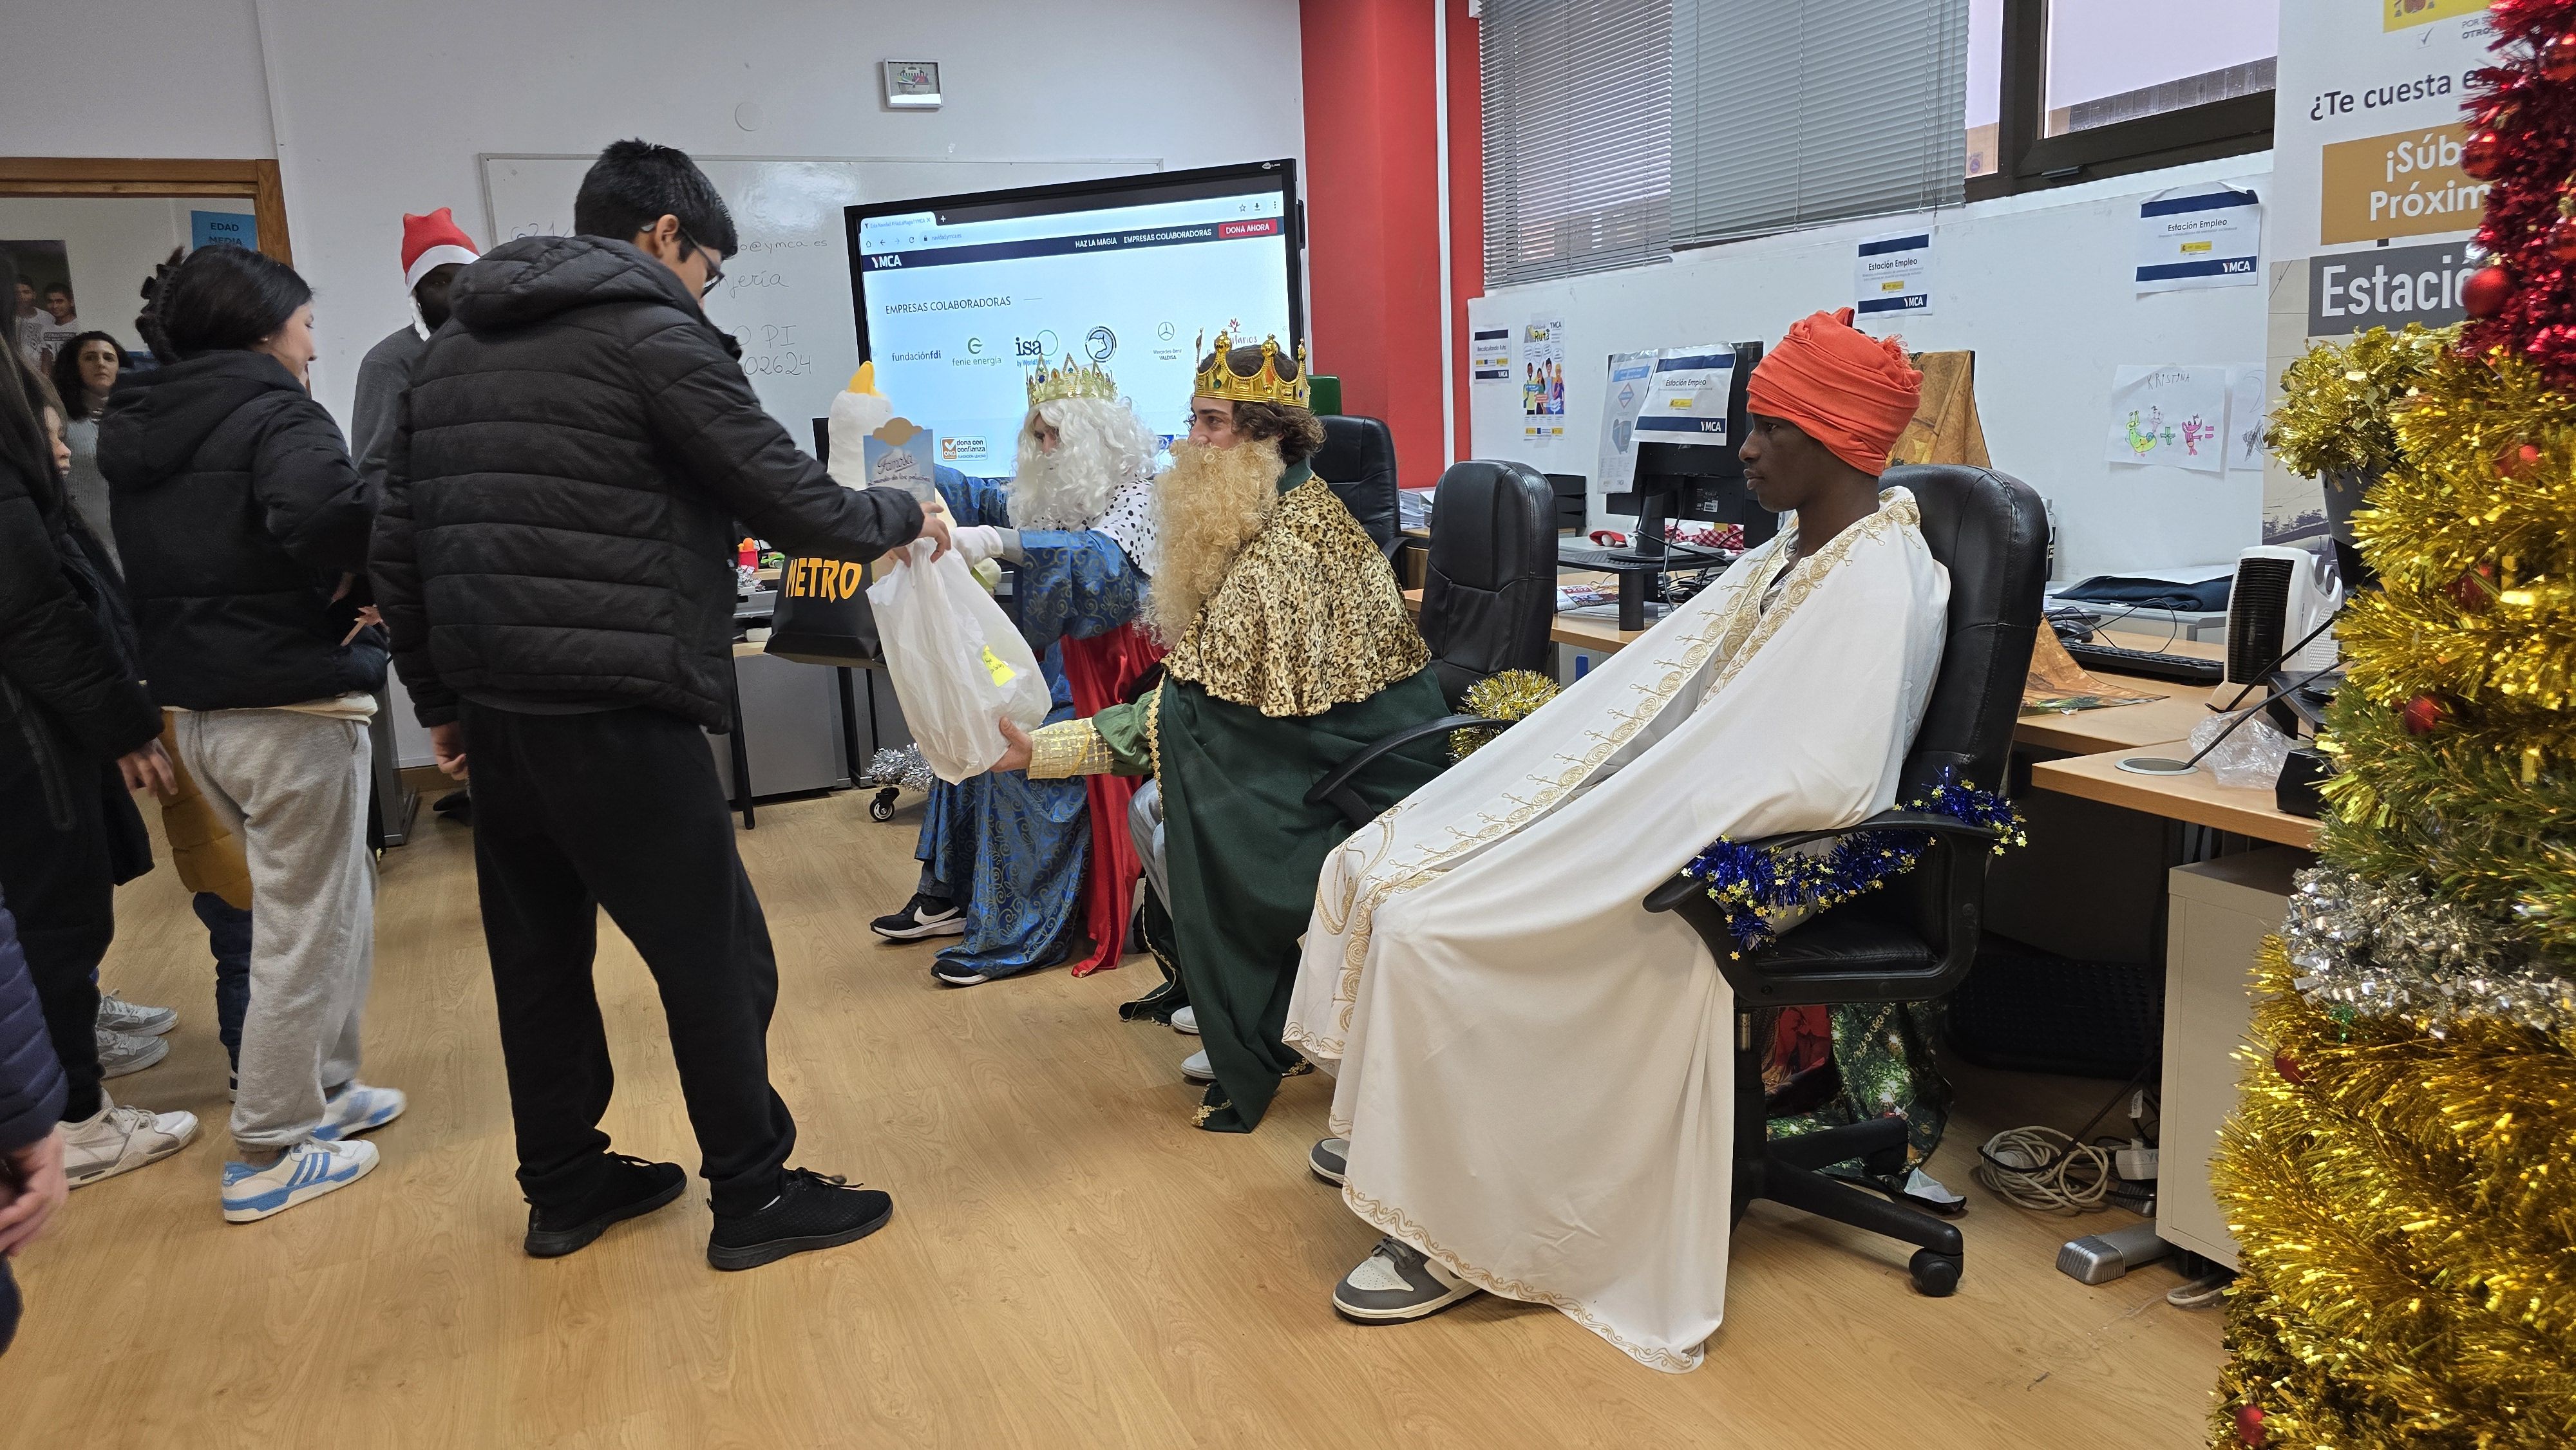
(1070, 1264)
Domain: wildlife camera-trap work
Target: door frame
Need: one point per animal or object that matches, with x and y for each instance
(138, 176)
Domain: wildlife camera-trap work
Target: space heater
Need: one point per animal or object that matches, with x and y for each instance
(2280, 594)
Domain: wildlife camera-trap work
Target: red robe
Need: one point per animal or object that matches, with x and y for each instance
(1099, 670)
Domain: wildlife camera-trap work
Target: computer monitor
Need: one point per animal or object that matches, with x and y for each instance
(1702, 481)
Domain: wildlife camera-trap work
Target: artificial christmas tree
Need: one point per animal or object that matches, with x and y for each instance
(2402, 1172)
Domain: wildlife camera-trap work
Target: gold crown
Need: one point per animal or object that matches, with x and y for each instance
(1220, 380)
(1047, 384)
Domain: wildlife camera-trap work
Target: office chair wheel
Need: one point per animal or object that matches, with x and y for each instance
(1934, 1275)
(882, 808)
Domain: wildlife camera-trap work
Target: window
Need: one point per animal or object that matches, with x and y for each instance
(1792, 112)
(2060, 90)
(1578, 135)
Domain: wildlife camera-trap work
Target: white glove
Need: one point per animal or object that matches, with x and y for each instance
(976, 543)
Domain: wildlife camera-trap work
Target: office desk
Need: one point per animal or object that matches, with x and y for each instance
(2197, 798)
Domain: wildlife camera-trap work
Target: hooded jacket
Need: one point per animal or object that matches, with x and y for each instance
(577, 455)
(237, 511)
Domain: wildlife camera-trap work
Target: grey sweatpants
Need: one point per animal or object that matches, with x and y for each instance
(293, 788)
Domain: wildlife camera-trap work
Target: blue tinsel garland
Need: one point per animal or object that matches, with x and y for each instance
(1753, 883)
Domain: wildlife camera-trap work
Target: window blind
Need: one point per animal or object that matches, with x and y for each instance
(1789, 113)
(1578, 124)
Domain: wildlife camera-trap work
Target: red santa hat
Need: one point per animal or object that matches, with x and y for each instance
(433, 241)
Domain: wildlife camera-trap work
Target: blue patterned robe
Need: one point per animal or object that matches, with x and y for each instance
(1007, 848)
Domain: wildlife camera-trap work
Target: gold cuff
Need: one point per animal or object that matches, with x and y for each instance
(1069, 748)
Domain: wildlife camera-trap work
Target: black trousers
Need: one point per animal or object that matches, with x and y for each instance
(621, 810)
(57, 871)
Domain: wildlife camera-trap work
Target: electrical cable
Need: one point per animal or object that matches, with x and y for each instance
(2045, 1169)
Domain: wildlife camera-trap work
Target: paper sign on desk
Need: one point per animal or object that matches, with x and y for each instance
(2175, 416)
(1686, 396)
(1893, 274)
(1630, 375)
(2198, 236)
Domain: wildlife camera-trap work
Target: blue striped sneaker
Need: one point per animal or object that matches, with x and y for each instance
(306, 1171)
(358, 1108)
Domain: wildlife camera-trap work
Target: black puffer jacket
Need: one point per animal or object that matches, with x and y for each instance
(237, 511)
(61, 666)
(561, 502)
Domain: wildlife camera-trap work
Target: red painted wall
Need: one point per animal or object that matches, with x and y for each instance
(1372, 211)
(1466, 200)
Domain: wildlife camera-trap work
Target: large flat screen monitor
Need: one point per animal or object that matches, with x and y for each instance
(958, 296)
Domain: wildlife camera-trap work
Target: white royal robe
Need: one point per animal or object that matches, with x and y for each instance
(1536, 1074)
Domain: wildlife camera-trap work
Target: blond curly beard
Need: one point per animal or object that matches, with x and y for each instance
(1207, 506)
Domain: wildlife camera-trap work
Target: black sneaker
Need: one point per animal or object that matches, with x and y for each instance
(812, 1211)
(922, 916)
(1329, 1159)
(958, 974)
(630, 1188)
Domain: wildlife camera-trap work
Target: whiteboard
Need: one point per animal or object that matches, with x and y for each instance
(786, 298)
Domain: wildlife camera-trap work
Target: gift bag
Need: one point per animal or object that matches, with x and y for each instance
(957, 660)
(822, 615)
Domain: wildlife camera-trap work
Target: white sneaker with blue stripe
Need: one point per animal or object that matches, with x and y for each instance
(304, 1172)
(358, 1108)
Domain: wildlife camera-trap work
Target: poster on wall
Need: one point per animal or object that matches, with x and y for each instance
(1630, 375)
(1686, 396)
(1893, 275)
(2169, 415)
(2369, 210)
(208, 227)
(2190, 237)
(1543, 379)
(42, 315)
(2246, 388)
(1489, 354)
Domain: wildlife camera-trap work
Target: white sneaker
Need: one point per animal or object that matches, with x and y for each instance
(358, 1108)
(115, 1014)
(120, 1053)
(1186, 1021)
(119, 1140)
(1195, 1067)
(1397, 1283)
(302, 1173)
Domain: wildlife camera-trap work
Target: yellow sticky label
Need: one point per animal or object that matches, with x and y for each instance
(2190, 247)
(1002, 674)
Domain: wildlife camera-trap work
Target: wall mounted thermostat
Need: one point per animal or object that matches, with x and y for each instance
(912, 85)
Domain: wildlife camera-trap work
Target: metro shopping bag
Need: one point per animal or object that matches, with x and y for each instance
(958, 662)
(822, 616)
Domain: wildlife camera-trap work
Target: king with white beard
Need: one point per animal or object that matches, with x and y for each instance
(1034, 873)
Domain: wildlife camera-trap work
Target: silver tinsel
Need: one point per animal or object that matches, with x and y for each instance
(2392, 949)
(903, 767)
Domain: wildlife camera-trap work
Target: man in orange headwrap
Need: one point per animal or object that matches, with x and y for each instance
(1530, 1093)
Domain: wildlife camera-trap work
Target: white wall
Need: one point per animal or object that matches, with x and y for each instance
(380, 109)
(112, 243)
(2039, 286)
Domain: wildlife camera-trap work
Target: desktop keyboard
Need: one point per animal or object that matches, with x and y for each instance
(2181, 669)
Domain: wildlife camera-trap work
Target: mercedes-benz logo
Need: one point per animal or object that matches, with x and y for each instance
(1100, 342)
(1165, 332)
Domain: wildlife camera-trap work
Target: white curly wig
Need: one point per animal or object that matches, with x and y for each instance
(1104, 447)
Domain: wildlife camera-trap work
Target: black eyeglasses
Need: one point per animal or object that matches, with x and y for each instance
(715, 269)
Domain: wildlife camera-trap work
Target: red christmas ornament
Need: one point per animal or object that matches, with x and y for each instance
(2558, 58)
(2288, 1067)
(2486, 291)
(2249, 1426)
(2515, 461)
(2562, 239)
(2475, 588)
(2481, 154)
(2422, 715)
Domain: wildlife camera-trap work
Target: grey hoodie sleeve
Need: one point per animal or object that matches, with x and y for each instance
(382, 378)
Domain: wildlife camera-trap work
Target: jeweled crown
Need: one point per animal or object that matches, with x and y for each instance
(1220, 380)
(1069, 380)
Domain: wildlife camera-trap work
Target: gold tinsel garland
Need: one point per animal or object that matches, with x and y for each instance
(2334, 413)
(2406, 1213)
(1507, 696)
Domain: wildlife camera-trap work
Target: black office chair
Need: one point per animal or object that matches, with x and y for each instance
(1916, 939)
(1358, 462)
(1487, 599)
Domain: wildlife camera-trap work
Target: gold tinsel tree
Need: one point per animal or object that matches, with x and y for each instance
(2401, 1174)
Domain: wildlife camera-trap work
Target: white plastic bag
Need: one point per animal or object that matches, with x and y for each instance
(957, 660)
